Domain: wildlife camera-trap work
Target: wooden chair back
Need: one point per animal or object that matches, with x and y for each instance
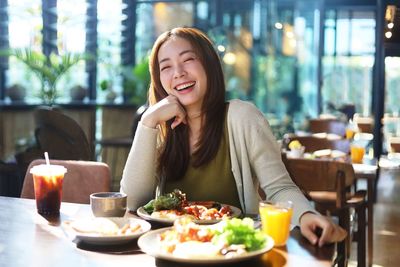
(327, 183)
(364, 124)
(82, 179)
(394, 143)
(61, 136)
(328, 126)
(322, 175)
(312, 143)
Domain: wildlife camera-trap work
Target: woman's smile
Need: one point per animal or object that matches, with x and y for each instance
(185, 87)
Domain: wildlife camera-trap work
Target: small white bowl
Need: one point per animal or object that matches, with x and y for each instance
(296, 152)
(108, 204)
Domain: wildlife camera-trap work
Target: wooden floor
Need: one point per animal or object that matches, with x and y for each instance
(386, 222)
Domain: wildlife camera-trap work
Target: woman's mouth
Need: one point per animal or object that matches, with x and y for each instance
(184, 86)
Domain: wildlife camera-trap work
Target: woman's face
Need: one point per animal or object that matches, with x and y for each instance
(181, 72)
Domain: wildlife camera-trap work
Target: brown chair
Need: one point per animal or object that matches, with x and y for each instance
(312, 143)
(364, 124)
(115, 150)
(394, 143)
(327, 183)
(328, 126)
(61, 136)
(82, 179)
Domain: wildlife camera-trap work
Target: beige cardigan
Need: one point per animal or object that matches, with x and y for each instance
(255, 159)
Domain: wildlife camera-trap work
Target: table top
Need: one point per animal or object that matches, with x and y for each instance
(28, 239)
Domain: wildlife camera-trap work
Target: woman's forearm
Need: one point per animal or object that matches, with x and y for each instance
(138, 178)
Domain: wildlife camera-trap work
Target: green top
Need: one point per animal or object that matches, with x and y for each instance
(213, 181)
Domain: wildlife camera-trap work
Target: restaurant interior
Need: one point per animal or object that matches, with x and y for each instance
(324, 73)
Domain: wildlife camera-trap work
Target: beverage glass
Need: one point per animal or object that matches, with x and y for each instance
(350, 133)
(357, 153)
(275, 220)
(47, 181)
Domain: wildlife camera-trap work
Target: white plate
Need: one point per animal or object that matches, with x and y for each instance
(149, 243)
(364, 168)
(236, 212)
(99, 239)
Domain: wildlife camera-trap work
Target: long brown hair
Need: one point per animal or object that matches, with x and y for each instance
(174, 156)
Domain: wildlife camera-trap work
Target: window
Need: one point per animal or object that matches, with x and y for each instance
(348, 61)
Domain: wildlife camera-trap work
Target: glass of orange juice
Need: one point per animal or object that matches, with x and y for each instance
(275, 220)
(357, 153)
(350, 133)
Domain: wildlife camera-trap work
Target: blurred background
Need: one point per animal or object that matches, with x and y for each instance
(295, 60)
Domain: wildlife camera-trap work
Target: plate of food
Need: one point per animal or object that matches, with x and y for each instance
(106, 231)
(167, 208)
(230, 240)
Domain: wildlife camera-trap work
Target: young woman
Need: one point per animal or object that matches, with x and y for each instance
(191, 139)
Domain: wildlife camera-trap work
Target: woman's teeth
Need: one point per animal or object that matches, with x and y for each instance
(184, 86)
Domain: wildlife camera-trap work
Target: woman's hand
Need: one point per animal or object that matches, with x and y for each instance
(310, 223)
(165, 110)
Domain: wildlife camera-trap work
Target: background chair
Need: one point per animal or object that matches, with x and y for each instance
(60, 135)
(394, 144)
(364, 124)
(10, 181)
(115, 150)
(82, 179)
(327, 183)
(328, 126)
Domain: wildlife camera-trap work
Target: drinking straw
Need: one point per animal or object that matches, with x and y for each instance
(46, 156)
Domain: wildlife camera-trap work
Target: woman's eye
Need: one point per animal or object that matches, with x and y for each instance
(164, 68)
(189, 59)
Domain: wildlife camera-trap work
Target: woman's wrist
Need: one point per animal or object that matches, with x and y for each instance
(305, 215)
(148, 121)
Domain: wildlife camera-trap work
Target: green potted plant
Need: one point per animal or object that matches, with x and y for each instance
(107, 85)
(78, 92)
(48, 69)
(16, 92)
(136, 82)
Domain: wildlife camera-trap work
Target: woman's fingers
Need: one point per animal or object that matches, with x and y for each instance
(332, 234)
(177, 121)
(311, 224)
(165, 110)
(310, 235)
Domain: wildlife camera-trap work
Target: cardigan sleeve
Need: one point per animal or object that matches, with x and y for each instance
(138, 177)
(266, 163)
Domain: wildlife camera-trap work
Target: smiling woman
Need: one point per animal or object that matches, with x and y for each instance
(190, 138)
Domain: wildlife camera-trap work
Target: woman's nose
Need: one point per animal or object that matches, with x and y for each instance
(179, 71)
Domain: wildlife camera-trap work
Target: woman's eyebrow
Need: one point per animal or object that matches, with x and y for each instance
(185, 52)
(163, 60)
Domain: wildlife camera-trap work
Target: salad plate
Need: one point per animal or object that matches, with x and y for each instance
(150, 244)
(236, 212)
(106, 231)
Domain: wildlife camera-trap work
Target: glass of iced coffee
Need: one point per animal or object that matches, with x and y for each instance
(48, 180)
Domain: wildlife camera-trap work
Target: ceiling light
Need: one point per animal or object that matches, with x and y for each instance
(278, 25)
(388, 35)
(229, 58)
(221, 48)
(390, 25)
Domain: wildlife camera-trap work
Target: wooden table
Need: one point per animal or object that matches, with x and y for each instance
(28, 239)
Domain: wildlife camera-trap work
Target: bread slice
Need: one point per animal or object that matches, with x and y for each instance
(101, 226)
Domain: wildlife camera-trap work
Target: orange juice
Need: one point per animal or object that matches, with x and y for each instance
(275, 220)
(357, 154)
(350, 133)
